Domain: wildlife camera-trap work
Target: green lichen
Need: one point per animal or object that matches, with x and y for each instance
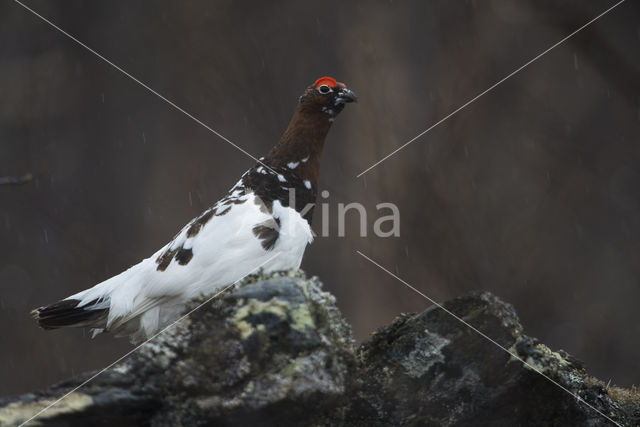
(17, 413)
(253, 307)
(542, 359)
(294, 368)
(301, 318)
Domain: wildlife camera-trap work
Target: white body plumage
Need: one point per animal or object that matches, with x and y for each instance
(144, 298)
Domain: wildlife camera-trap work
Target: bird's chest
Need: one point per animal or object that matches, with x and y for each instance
(294, 229)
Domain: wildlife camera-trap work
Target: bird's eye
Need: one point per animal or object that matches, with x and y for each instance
(324, 89)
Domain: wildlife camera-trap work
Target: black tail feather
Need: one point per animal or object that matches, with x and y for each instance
(66, 313)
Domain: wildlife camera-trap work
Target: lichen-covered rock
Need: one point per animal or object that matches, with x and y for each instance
(430, 369)
(275, 351)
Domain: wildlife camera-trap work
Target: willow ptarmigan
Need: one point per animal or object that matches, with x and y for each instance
(254, 225)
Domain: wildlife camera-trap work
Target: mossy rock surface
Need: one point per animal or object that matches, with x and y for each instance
(275, 351)
(430, 369)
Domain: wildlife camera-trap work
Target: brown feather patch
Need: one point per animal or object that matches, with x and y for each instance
(268, 231)
(184, 256)
(164, 260)
(195, 227)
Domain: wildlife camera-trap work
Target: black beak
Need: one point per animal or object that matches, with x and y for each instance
(346, 95)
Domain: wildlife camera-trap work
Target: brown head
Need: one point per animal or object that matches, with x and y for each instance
(303, 140)
(327, 96)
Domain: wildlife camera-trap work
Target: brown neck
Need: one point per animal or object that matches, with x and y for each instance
(303, 139)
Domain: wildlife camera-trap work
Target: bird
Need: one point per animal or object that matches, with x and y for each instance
(264, 220)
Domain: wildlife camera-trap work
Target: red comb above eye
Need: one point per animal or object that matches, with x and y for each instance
(329, 81)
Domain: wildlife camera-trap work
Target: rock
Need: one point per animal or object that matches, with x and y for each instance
(430, 369)
(275, 351)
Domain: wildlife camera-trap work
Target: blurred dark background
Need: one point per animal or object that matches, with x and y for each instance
(532, 192)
